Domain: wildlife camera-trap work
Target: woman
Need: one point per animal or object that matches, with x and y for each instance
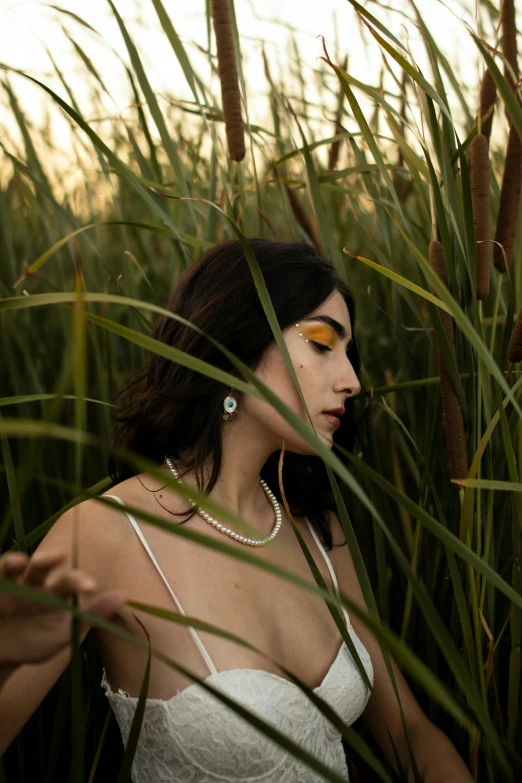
(227, 444)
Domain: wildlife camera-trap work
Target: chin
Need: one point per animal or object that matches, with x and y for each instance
(299, 446)
(327, 440)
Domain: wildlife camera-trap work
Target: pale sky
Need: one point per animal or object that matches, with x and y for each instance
(28, 27)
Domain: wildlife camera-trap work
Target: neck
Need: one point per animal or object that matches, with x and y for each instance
(238, 488)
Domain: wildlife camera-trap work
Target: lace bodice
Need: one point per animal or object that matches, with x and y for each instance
(194, 738)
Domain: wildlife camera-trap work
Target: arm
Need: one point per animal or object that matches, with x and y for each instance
(6, 669)
(24, 688)
(435, 756)
(34, 639)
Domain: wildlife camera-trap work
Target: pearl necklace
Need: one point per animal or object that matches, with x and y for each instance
(242, 539)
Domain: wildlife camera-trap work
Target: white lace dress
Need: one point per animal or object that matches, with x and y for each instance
(194, 738)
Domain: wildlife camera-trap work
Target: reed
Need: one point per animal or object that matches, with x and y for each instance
(506, 228)
(335, 146)
(487, 100)
(508, 43)
(93, 233)
(514, 351)
(455, 435)
(305, 219)
(479, 180)
(228, 75)
(398, 182)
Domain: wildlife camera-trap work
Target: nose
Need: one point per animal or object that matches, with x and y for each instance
(347, 380)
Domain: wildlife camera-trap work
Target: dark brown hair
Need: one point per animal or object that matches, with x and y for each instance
(170, 409)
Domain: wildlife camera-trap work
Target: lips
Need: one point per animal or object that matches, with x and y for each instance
(334, 416)
(338, 412)
(334, 420)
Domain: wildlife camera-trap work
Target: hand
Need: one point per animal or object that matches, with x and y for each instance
(32, 632)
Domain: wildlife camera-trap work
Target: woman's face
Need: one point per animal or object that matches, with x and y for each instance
(324, 372)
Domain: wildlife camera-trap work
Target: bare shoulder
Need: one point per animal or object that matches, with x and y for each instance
(97, 530)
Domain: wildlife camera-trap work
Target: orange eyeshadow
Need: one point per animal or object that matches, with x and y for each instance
(319, 333)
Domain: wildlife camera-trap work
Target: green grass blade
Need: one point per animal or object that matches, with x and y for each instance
(18, 522)
(124, 775)
(155, 111)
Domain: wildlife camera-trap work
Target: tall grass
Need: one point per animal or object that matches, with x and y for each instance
(87, 267)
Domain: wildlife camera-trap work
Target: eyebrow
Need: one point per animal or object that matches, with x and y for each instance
(336, 326)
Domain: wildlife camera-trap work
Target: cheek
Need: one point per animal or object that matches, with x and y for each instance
(276, 376)
(274, 373)
(280, 381)
(307, 376)
(306, 371)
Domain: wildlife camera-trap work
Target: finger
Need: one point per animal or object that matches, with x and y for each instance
(12, 564)
(66, 582)
(40, 565)
(106, 604)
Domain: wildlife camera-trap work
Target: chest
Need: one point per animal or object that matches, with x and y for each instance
(290, 625)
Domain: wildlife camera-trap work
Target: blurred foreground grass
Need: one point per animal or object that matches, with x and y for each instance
(392, 186)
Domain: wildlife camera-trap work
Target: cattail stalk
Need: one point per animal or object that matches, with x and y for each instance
(508, 206)
(508, 41)
(514, 351)
(335, 147)
(479, 177)
(451, 411)
(307, 223)
(511, 180)
(227, 67)
(309, 226)
(487, 99)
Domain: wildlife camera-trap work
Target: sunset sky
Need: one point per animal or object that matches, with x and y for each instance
(30, 30)
(28, 27)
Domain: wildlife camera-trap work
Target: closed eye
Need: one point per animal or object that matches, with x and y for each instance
(320, 347)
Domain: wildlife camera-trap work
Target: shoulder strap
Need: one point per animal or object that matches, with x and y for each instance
(201, 646)
(328, 562)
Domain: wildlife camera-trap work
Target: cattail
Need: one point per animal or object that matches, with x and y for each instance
(508, 38)
(488, 97)
(514, 351)
(508, 204)
(335, 147)
(309, 226)
(266, 67)
(227, 67)
(479, 176)
(508, 42)
(511, 180)
(451, 410)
